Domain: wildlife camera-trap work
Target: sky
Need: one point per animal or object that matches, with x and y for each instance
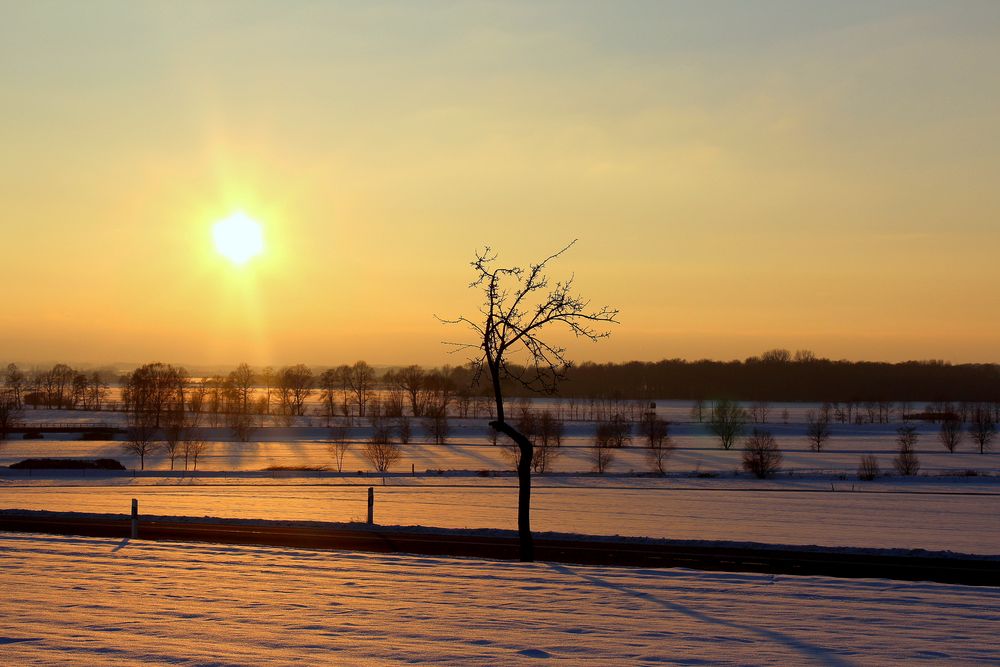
(740, 176)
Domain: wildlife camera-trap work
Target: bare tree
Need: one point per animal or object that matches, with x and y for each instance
(294, 387)
(868, 468)
(906, 462)
(950, 434)
(242, 381)
(14, 381)
(193, 449)
(380, 451)
(436, 424)
(362, 381)
(404, 429)
(411, 381)
(10, 412)
(140, 440)
(982, 428)
(602, 452)
(698, 410)
(761, 455)
(518, 307)
(339, 444)
(727, 422)
(818, 429)
(760, 411)
(660, 446)
(173, 435)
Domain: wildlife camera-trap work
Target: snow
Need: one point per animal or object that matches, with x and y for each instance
(942, 509)
(469, 449)
(933, 515)
(88, 600)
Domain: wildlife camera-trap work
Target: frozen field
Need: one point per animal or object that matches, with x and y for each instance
(84, 601)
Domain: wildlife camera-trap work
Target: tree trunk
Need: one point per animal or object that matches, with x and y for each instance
(523, 488)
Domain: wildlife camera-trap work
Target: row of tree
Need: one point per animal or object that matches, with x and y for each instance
(853, 392)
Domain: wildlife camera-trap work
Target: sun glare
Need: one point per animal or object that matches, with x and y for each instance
(239, 238)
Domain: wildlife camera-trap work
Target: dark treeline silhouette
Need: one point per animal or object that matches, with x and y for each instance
(807, 379)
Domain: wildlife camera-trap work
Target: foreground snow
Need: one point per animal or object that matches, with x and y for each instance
(87, 601)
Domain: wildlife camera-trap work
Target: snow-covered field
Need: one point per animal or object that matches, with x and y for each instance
(891, 514)
(945, 508)
(85, 601)
(469, 449)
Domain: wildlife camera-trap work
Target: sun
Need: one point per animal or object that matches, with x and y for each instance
(239, 238)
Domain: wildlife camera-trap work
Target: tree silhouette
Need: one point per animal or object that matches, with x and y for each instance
(519, 306)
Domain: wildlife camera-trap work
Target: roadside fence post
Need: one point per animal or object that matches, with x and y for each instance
(371, 505)
(135, 518)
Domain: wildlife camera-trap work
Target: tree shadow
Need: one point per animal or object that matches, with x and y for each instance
(815, 653)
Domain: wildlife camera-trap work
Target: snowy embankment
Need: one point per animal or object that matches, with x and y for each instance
(87, 600)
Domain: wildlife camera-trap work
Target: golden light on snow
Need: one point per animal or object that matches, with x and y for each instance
(239, 238)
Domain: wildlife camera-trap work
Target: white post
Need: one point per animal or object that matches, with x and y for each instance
(371, 505)
(135, 519)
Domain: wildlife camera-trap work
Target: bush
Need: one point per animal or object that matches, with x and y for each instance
(761, 455)
(868, 468)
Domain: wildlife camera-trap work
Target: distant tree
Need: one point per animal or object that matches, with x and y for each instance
(267, 380)
(656, 432)
(727, 422)
(761, 455)
(436, 424)
(329, 383)
(411, 381)
(294, 385)
(868, 468)
(950, 433)
(818, 430)
(617, 429)
(151, 390)
(906, 462)
(339, 444)
(193, 449)
(404, 429)
(759, 411)
(14, 381)
(518, 307)
(698, 410)
(362, 381)
(603, 449)
(173, 435)
(242, 381)
(240, 425)
(776, 356)
(982, 428)
(97, 390)
(10, 413)
(380, 451)
(140, 440)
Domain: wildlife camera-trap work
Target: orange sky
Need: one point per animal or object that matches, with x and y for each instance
(740, 175)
